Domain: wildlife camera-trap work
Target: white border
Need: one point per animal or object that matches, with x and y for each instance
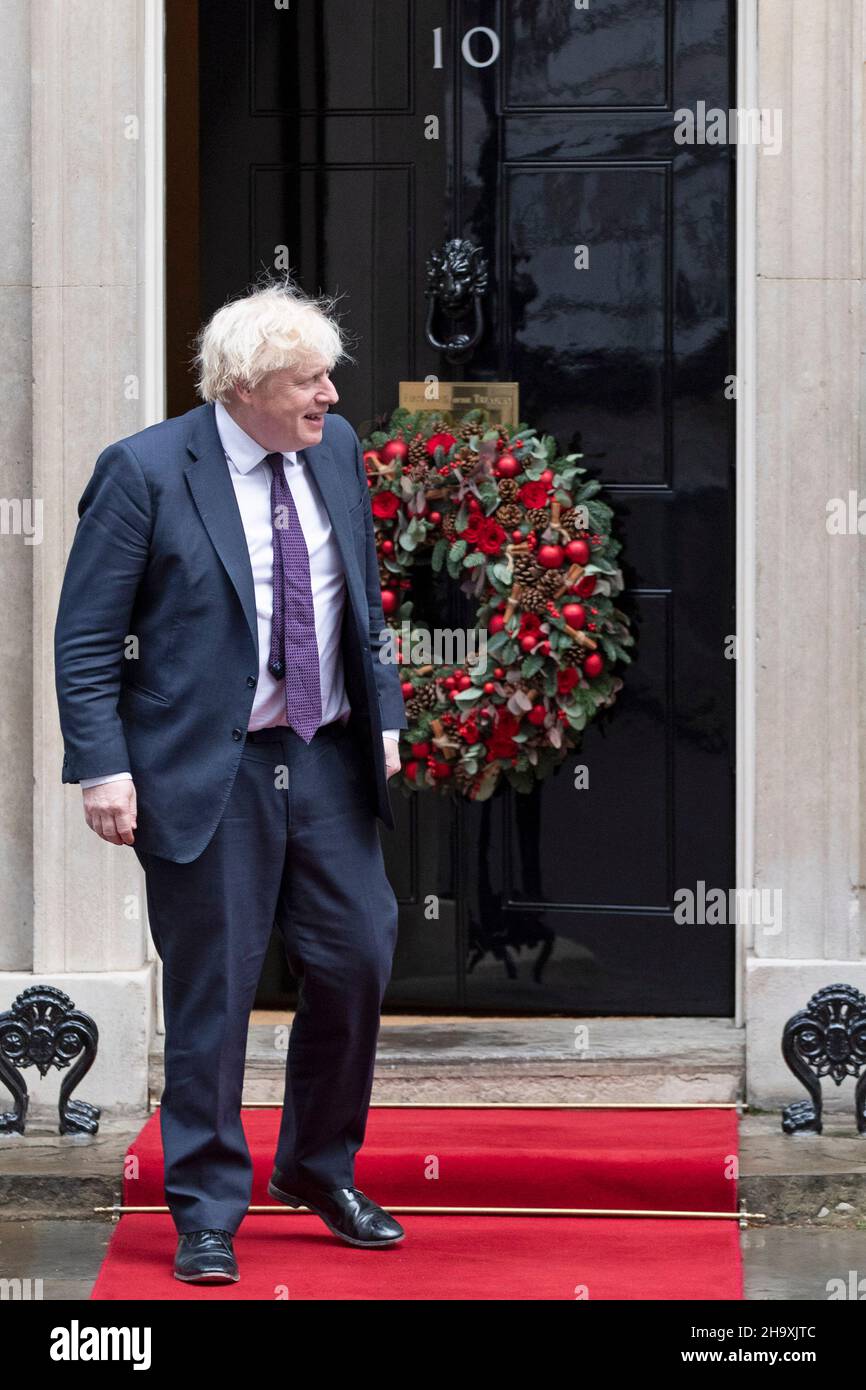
(746, 301)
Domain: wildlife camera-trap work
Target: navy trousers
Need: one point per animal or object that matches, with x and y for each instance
(298, 846)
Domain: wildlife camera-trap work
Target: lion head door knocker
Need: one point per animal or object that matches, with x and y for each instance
(43, 1029)
(456, 284)
(827, 1038)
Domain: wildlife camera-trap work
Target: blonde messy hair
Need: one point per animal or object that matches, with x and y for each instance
(271, 328)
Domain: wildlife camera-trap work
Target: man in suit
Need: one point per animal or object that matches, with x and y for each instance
(222, 703)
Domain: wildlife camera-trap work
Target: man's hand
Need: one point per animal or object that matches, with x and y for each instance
(392, 756)
(111, 811)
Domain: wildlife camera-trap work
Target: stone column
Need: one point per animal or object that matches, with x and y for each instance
(17, 548)
(89, 257)
(809, 670)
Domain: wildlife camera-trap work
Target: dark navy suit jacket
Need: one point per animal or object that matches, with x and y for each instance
(160, 555)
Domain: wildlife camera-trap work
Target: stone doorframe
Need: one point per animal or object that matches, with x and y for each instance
(98, 370)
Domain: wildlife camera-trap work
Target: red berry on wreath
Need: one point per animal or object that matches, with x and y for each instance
(498, 672)
(388, 547)
(527, 643)
(371, 459)
(593, 666)
(435, 518)
(506, 466)
(489, 687)
(496, 623)
(544, 648)
(395, 449)
(577, 552)
(575, 615)
(464, 682)
(408, 690)
(550, 556)
(546, 477)
(389, 601)
(537, 715)
(450, 682)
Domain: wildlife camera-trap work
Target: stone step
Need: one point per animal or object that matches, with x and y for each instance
(617, 1060)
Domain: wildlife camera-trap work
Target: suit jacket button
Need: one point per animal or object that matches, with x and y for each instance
(251, 680)
(237, 734)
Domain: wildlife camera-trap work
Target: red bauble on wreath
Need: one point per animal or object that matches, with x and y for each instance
(524, 532)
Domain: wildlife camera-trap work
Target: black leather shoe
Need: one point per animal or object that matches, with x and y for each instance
(345, 1211)
(206, 1257)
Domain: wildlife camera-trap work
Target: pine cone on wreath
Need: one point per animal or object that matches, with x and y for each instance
(465, 432)
(538, 518)
(550, 582)
(568, 519)
(462, 778)
(426, 696)
(508, 489)
(526, 571)
(448, 525)
(419, 459)
(508, 515)
(533, 598)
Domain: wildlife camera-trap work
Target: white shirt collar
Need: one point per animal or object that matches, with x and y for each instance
(243, 451)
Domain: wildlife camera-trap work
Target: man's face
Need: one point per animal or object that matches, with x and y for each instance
(286, 410)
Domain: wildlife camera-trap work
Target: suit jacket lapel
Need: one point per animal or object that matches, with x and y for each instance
(214, 497)
(320, 460)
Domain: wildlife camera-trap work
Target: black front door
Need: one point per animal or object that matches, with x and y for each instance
(345, 141)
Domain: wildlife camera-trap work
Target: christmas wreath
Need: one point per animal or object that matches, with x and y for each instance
(524, 532)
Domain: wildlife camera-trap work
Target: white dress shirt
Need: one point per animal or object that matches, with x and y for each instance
(251, 478)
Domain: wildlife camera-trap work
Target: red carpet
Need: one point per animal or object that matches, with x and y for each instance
(642, 1159)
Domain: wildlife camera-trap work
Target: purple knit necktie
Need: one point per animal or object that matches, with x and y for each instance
(293, 630)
